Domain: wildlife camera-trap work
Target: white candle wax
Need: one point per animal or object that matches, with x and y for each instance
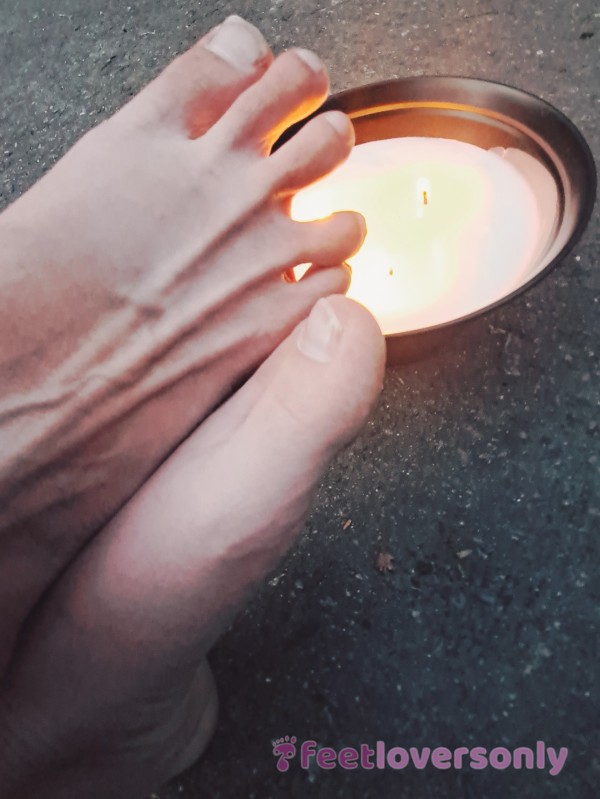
(451, 227)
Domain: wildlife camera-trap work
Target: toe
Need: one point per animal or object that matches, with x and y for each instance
(248, 474)
(196, 89)
(318, 387)
(293, 87)
(325, 242)
(321, 145)
(318, 282)
(338, 281)
(330, 241)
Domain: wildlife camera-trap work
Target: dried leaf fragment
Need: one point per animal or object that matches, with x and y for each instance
(384, 562)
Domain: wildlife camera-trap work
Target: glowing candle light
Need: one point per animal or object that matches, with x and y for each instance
(451, 227)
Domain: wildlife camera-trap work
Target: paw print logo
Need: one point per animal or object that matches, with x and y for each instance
(285, 750)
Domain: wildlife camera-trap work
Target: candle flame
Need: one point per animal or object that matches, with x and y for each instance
(423, 190)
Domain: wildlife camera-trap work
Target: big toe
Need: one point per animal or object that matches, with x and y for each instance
(313, 394)
(218, 515)
(196, 89)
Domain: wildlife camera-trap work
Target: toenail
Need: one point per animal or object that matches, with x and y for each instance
(311, 59)
(238, 43)
(339, 122)
(362, 223)
(320, 333)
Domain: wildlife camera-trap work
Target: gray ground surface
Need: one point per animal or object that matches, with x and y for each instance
(490, 446)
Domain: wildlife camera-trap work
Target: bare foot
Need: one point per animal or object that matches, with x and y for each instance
(141, 280)
(109, 692)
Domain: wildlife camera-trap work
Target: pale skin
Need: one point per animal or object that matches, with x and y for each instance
(144, 497)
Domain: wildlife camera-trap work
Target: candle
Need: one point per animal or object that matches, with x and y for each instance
(451, 227)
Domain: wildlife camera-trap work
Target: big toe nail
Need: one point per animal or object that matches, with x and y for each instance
(238, 43)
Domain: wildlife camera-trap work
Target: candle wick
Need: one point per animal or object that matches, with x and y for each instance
(424, 198)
